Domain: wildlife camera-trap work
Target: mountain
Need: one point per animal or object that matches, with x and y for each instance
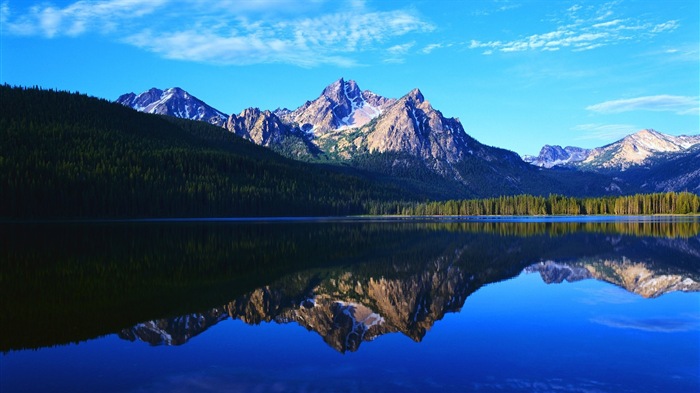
(92, 158)
(341, 105)
(345, 122)
(556, 155)
(264, 128)
(411, 142)
(402, 141)
(646, 161)
(173, 102)
(668, 172)
(638, 149)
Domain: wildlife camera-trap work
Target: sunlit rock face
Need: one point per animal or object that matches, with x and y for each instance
(341, 105)
(260, 127)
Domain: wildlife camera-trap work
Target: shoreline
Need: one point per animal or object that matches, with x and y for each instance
(361, 218)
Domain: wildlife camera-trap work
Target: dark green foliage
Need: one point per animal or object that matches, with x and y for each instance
(530, 205)
(67, 155)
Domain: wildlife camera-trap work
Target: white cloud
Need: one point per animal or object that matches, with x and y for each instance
(396, 53)
(604, 132)
(667, 26)
(682, 105)
(582, 28)
(228, 32)
(79, 17)
(658, 325)
(431, 47)
(400, 49)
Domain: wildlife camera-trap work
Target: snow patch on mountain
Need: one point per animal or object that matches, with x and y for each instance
(634, 149)
(173, 102)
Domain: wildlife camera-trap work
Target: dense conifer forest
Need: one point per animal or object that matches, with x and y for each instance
(529, 205)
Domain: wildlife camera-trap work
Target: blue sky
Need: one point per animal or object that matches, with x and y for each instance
(518, 74)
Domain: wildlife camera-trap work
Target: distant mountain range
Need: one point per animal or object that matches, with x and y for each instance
(636, 149)
(407, 138)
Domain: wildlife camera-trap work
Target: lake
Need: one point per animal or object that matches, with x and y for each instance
(606, 304)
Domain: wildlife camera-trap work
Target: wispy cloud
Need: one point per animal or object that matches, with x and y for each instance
(580, 29)
(682, 105)
(658, 325)
(496, 7)
(666, 26)
(78, 18)
(431, 47)
(605, 132)
(229, 32)
(396, 53)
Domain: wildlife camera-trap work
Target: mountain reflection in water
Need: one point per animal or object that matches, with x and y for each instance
(346, 309)
(350, 281)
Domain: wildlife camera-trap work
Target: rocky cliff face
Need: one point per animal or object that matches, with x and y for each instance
(173, 102)
(346, 122)
(556, 155)
(341, 105)
(409, 125)
(260, 127)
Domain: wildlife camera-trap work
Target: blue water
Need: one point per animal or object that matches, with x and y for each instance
(516, 335)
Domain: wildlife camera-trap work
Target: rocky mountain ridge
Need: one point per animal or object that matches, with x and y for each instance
(347, 124)
(551, 156)
(636, 149)
(173, 102)
(408, 140)
(341, 105)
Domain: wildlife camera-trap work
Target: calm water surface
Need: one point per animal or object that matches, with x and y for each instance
(351, 306)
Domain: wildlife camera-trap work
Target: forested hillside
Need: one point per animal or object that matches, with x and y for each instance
(67, 155)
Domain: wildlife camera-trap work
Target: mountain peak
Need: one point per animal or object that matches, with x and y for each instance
(174, 102)
(416, 95)
(333, 87)
(341, 105)
(154, 90)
